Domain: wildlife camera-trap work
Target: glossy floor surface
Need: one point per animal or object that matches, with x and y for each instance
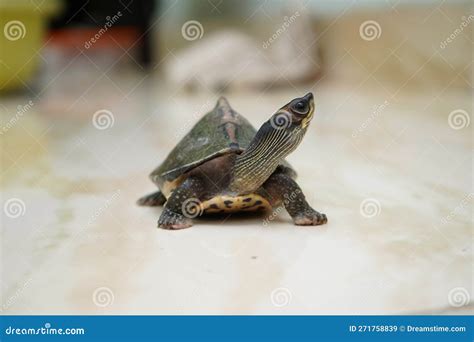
(388, 167)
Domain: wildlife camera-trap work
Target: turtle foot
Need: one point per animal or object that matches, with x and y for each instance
(312, 218)
(173, 221)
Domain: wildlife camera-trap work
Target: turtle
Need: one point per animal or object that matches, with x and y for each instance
(224, 165)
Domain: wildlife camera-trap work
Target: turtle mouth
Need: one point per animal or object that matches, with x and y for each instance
(305, 122)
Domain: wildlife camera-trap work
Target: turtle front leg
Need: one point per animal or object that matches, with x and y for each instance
(182, 205)
(283, 189)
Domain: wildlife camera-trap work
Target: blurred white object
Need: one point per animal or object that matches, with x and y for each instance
(230, 59)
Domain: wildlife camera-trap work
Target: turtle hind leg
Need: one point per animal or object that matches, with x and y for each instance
(282, 188)
(152, 200)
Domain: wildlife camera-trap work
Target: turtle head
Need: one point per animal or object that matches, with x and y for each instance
(276, 138)
(288, 125)
(295, 115)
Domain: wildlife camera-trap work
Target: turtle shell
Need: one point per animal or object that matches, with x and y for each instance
(219, 132)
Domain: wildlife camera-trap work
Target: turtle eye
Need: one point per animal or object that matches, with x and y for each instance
(301, 107)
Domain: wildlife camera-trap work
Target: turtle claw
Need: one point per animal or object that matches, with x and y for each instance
(312, 218)
(173, 221)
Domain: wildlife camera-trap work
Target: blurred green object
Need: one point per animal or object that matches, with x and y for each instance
(23, 27)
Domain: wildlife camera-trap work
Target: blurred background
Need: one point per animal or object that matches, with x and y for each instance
(94, 94)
